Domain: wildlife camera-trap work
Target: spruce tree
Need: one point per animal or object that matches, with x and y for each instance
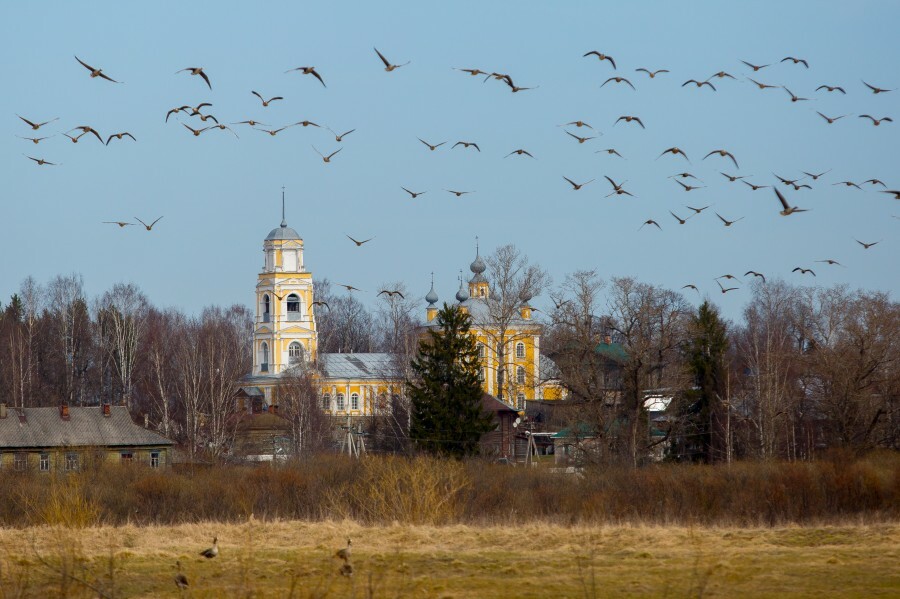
(447, 416)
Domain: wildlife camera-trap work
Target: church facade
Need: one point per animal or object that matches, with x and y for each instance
(363, 384)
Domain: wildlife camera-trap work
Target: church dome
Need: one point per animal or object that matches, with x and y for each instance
(282, 233)
(432, 296)
(478, 266)
(463, 293)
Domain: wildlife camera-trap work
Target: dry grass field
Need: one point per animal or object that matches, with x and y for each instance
(294, 559)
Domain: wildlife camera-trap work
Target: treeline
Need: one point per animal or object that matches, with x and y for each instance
(59, 346)
(383, 490)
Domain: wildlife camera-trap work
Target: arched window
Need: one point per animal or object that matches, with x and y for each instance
(266, 308)
(293, 307)
(326, 401)
(480, 347)
(340, 401)
(354, 401)
(295, 352)
(520, 400)
(520, 375)
(264, 357)
(520, 350)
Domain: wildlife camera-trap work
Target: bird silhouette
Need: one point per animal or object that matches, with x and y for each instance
(723, 75)
(762, 85)
(340, 138)
(628, 119)
(577, 124)
(804, 271)
(875, 121)
(815, 177)
(699, 83)
(830, 120)
(34, 140)
(309, 71)
(894, 192)
(581, 140)
(387, 65)
(346, 569)
(118, 222)
(618, 188)
(344, 553)
(391, 293)
(867, 245)
(431, 147)
(265, 103)
(725, 289)
(688, 187)
(795, 61)
(794, 98)
(359, 243)
(877, 90)
(754, 187)
(611, 151)
(35, 126)
(41, 161)
(697, 210)
(325, 158)
(727, 222)
(457, 193)
(788, 210)
(305, 124)
(87, 129)
(600, 56)
(196, 132)
(832, 88)
(576, 186)
(197, 71)
(472, 72)
(520, 152)
(756, 274)
(414, 194)
(690, 286)
(680, 220)
(348, 287)
(466, 144)
(96, 72)
(674, 151)
(831, 262)
(320, 303)
(150, 226)
(732, 178)
(120, 136)
(848, 184)
(652, 74)
(618, 79)
(875, 182)
(650, 221)
(754, 66)
(723, 154)
(272, 132)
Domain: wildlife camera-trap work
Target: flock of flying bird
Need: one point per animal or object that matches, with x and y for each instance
(685, 180)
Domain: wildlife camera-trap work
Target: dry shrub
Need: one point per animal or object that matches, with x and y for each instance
(64, 504)
(393, 489)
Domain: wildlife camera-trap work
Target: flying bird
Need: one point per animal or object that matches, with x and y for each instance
(305, 124)
(618, 79)
(36, 126)
(732, 178)
(224, 128)
(794, 98)
(87, 129)
(391, 294)
(762, 85)
(466, 144)
(723, 154)
(618, 188)
(175, 111)
(725, 289)
(146, 226)
(754, 66)
(320, 303)
(722, 75)
(796, 61)
(875, 182)
(119, 136)
(730, 277)
(688, 187)
(581, 140)
(832, 88)
(457, 193)
(877, 90)
(265, 103)
(875, 121)
(272, 132)
(609, 151)
(212, 551)
(348, 287)
(309, 71)
(414, 194)
(472, 72)
(786, 181)
(694, 287)
(519, 152)
(894, 192)
(754, 187)
(95, 72)
(195, 110)
(576, 186)
(680, 220)
(685, 176)
(118, 222)
(867, 245)
(804, 271)
(815, 177)
(650, 221)
(430, 146)
(848, 184)
(515, 88)
(756, 274)
(697, 210)
(324, 157)
(674, 151)
(788, 210)
(628, 119)
(197, 132)
(830, 120)
(577, 124)
(197, 71)
(40, 161)
(831, 262)
(359, 243)
(727, 222)
(601, 56)
(340, 138)
(652, 74)
(699, 83)
(34, 140)
(387, 65)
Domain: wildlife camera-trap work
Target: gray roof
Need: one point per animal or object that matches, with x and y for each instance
(43, 427)
(357, 366)
(282, 233)
(549, 371)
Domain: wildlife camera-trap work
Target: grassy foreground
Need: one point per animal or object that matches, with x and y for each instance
(294, 559)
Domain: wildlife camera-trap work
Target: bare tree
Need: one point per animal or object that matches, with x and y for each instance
(298, 401)
(162, 367)
(121, 317)
(512, 281)
(67, 308)
(345, 326)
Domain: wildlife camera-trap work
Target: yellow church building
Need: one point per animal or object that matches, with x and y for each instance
(363, 384)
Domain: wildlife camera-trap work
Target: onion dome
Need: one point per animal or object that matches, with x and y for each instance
(525, 296)
(478, 266)
(432, 296)
(463, 293)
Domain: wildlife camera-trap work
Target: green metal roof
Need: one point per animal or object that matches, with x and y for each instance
(614, 351)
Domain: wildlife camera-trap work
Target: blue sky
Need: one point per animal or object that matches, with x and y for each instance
(220, 195)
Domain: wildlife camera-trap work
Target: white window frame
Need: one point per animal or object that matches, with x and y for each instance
(295, 357)
(44, 463)
(326, 401)
(354, 401)
(340, 401)
(154, 459)
(71, 460)
(520, 375)
(520, 350)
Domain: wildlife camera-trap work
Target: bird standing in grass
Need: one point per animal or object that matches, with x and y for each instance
(181, 580)
(213, 551)
(344, 552)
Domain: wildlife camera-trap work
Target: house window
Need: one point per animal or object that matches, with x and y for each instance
(45, 462)
(480, 350)
(127, 456)
(295, 352)
(266, 307)
(154, 459)
(71, 461)
(21, 462)
(520, 375)
(326, 401)
(293, 303)
(340, 401)
(354, 401)
(520, 350)
(264, 357)
(481, 374)
(520, 400)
